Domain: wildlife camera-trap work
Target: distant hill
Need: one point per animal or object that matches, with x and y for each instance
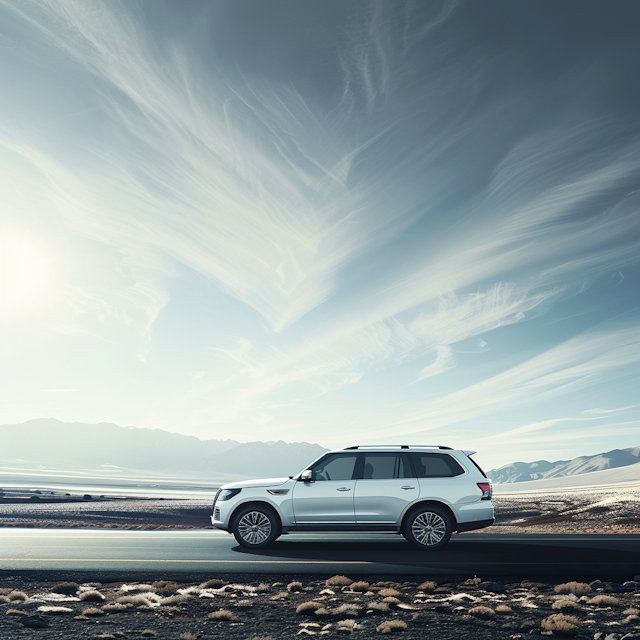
(53, 443)
(273, 458)
(541, 469)
(619, 479)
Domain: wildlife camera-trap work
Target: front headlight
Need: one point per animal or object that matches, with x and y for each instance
(227, 494)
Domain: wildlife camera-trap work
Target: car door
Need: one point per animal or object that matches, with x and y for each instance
(328, 497)
(385, 487)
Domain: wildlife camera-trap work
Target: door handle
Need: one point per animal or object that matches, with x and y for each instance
(343, 489)
(406, 486)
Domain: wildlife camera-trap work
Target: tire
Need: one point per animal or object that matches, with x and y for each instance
(256, 526)
(427, 527)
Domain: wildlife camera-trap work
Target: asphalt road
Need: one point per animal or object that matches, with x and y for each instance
(102, 554)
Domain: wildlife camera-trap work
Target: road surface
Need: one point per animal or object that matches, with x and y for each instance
(111, 554)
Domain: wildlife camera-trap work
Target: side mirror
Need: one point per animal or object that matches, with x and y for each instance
(306, 476)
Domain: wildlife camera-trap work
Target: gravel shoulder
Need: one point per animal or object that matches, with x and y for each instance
(596, 512)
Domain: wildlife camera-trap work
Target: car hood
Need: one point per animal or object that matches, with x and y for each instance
(268, 482)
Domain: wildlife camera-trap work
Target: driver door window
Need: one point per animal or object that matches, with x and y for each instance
(334, 468)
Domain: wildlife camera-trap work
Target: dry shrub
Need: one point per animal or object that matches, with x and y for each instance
(66, 588)
(577, 588)
(4, 591)
(216, 583)
(471, 582)
(631, 612)
(391, 600)
(565, 605)
(262, 587)
(222, 614)
(106, 636)
(294, 587)
(244, 604)
(503, 609)
(14, 612)
(164, 586)
(482, 612)
(91, 596)
(17, 596)
(360, 587)
(604, 601)
(138, 601)
(378, 607)
(428, 587)
(116, 607)
(346, 626)
(630, 619)
(149, 633)
(179, 598)
(389, 592)
(561, 625)
(187, 635)
(338, 581)
(347, 610)
(92, 611)
(391, 626)
(56, 611)
(308, 608)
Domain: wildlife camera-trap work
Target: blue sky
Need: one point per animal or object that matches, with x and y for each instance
(337, 222)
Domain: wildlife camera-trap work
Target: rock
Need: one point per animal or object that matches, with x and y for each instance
(630, 636)
(612, 636)
(33, 622)
(494, 587)
(597, 584)
(631, 584)
(598, 635)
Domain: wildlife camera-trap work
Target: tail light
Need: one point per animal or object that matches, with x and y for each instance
(485, 487)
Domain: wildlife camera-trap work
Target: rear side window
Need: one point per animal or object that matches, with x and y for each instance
(435, 465)
(383, 466)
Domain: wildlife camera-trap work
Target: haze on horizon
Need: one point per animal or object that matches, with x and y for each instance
(334, 222)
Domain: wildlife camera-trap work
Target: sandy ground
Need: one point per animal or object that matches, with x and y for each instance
(580, 512)
(270, 608)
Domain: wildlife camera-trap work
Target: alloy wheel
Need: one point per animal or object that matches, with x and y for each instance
(254, 527)
(428, 528)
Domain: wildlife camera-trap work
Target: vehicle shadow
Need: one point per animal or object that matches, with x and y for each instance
(495, 558)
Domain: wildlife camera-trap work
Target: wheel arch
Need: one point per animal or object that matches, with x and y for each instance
(254, 503)
(436, 503)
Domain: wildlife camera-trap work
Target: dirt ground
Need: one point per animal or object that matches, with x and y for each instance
(273, 608)
(580, 512)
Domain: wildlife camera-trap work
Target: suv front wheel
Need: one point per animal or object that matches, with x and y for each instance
(256, 526)
(427, 527)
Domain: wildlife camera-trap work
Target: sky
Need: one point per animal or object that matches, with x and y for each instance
(339, 222)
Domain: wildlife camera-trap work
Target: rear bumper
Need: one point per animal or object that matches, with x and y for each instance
(478, 524)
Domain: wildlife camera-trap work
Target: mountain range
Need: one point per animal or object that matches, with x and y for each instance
(541, 469)
(52, 443)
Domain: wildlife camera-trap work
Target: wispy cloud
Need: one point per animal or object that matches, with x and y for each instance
(575, 364)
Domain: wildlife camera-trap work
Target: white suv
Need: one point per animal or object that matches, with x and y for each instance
(424, 492)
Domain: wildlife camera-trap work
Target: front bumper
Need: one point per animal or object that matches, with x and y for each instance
(219, 525)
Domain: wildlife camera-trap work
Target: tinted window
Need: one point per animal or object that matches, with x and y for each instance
(381, 466)
(335, 467)
(435, 465)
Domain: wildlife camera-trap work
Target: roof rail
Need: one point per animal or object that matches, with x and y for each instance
(399, 446)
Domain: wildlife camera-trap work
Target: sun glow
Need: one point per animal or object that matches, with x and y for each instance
(24, 274)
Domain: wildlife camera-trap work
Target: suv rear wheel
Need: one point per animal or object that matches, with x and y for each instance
(256, 526)
(427, 527)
